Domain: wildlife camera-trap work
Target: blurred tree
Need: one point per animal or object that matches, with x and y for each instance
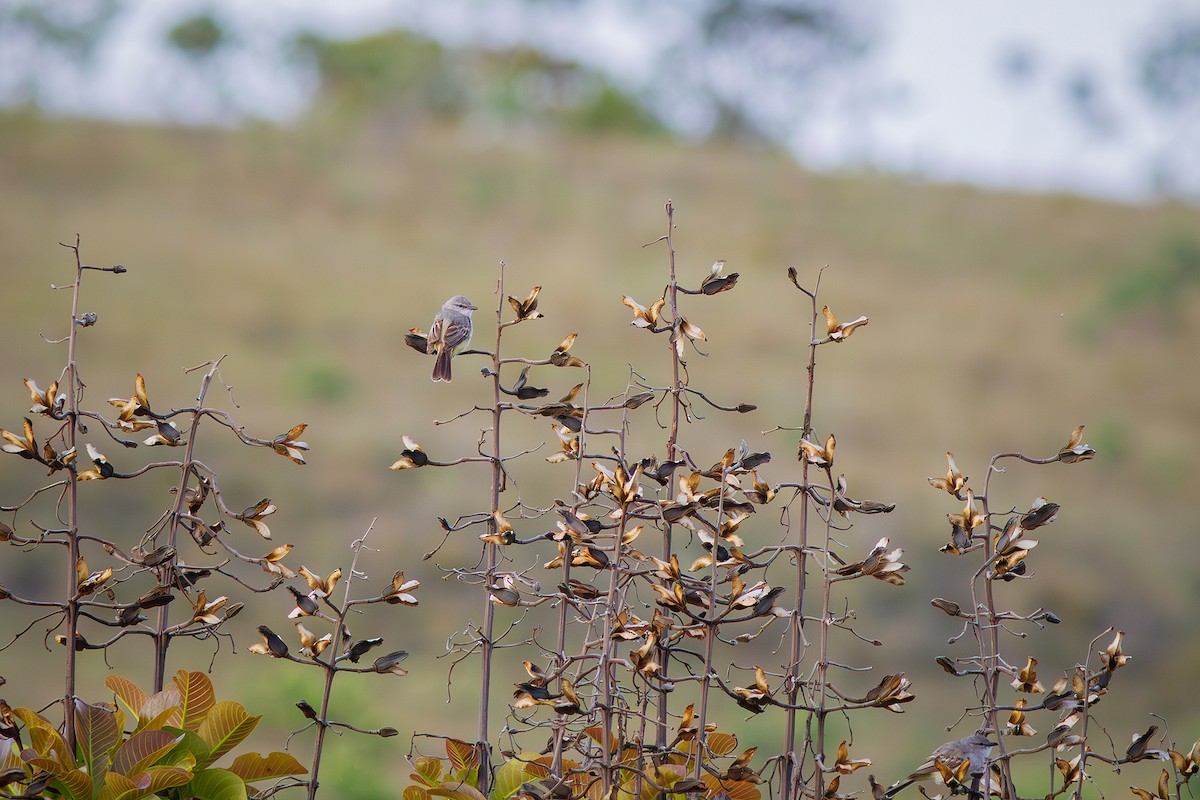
(364, 76)
(207, 47)
(1166, 70)
(399, 74)
(49, 42)
(1170, 64)
(1019, 64)
(1169, 71)
(739, 69)
(735, 69)
(1088, 103)
(198, 37)
(607, 108)
(754, 61)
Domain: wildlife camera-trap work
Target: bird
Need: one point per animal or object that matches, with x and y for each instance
(974, 748)
(449, 334)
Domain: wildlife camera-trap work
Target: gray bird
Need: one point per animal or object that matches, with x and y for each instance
(449, 334)
(976, 748)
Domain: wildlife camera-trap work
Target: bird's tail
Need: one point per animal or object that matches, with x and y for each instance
(441, 366)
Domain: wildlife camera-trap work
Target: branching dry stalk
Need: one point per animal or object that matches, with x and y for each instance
(110, 595)
(613, 706)
(71, 592)
(187, 471)
(1003, 548)
(792, 778)
(486, 641)
(624, 674)
(330, 668)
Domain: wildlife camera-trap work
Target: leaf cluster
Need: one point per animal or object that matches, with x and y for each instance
(160, 745)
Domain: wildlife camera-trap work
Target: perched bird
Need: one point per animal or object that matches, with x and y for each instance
(449, 334)
(952, 756)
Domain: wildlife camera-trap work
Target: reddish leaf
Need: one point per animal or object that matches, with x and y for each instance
(77, 783)
(142, 750)
(457, 791)
(462, 755)
(737, 790)
(196, 698)
(255, 767)
(96, 736)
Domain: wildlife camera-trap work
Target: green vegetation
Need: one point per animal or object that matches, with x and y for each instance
(175, 738)
(398, 77)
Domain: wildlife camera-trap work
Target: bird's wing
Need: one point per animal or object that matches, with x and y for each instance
(457, 332)
(434, 340)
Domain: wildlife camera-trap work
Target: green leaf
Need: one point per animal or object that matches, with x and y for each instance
(457, 791)
(666, 776)
(196, 698)
(158, 779)
(469, 776)
(75, 784)
(216, 784)
(45, 740)
(190, 751)
(96, 737)
(428, 771)
(127, 692)
(254, 767)
(511, 775)
(226, 725)
(32, 719)
(119, 787)
(414, 792)
(143, 750)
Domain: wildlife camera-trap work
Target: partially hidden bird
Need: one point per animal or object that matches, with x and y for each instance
(952, 756)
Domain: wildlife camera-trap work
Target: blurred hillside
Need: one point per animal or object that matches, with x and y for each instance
(998, 322)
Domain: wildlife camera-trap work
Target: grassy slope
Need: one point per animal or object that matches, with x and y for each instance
(305, 256)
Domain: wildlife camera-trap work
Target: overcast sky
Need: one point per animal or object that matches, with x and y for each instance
(973, 91)
(966, 115)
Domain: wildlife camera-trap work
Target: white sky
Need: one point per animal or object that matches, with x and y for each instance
(932, 99)
(962, 116)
